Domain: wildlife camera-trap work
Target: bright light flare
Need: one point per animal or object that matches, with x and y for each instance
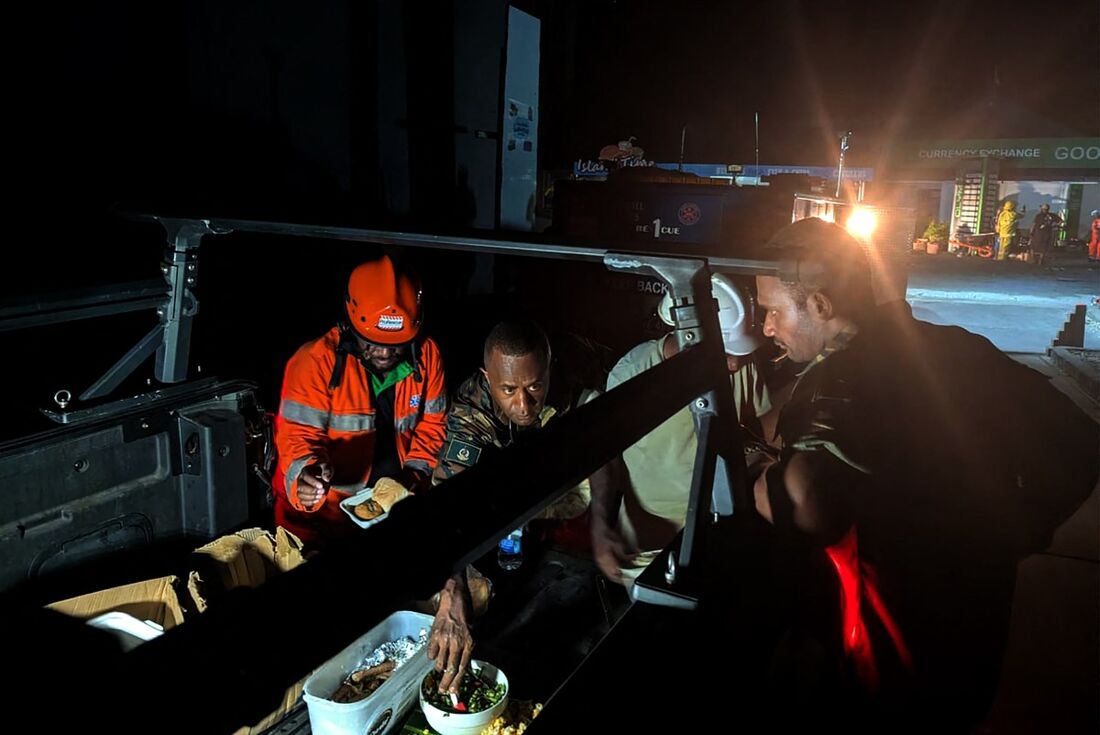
(862, 223)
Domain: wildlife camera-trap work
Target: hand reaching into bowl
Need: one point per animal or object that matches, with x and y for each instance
(450, 643)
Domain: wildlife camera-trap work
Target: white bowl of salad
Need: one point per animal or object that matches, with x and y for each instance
(482, 696)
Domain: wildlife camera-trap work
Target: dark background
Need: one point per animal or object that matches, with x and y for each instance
(267, 109)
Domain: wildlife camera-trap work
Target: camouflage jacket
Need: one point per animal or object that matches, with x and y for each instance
(477, 428)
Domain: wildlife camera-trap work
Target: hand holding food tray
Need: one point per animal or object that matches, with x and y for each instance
(362, 509)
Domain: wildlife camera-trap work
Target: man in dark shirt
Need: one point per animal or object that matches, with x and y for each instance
(1043, 230)
(925, 464)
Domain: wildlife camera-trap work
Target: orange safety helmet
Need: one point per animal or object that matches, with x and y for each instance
(383, 305)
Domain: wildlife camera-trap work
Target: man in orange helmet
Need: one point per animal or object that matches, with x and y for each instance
(374, 419)
(365, 404)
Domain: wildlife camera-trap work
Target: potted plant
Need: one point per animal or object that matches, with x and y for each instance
(936, 236)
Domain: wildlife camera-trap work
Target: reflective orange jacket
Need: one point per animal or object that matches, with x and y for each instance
(319, 424)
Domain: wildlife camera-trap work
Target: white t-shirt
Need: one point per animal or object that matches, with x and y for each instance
(661, 462)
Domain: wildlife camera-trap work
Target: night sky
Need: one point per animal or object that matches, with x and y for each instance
(886, 70)
(108, 103)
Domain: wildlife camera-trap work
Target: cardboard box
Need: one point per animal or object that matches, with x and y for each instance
(245, 559)
(154, 600)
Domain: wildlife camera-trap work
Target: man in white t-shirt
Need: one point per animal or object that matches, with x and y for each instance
(643, 505)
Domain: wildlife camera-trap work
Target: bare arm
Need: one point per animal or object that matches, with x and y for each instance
(450, 643)
(607, 492)
(608, 547)
(809, 491)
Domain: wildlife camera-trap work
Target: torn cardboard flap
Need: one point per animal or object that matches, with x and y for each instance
(245, 559)
(194, 592)
(288, 550)
(154, 600)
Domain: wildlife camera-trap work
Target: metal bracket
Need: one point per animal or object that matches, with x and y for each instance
(171, 338)
(695, 316)
(180, 270)
(127, 364)
(174, 301)
(688, 282)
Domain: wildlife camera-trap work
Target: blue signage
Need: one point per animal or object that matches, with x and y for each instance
(586, 169)
(713, 170)
(706, 170)
(820, 172)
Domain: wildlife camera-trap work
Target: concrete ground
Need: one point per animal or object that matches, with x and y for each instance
(1018, 306)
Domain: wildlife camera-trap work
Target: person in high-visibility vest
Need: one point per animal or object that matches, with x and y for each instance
(1006, 229)
(1094, 240)
(364, 402)
(364, 405)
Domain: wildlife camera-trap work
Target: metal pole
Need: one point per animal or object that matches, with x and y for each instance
(40, 311)
(534, 247)
(756, 117)
(180, 272)
(840, 165)
(683, 139)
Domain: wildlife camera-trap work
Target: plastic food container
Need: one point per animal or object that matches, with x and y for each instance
(382, 710)
(348, 506)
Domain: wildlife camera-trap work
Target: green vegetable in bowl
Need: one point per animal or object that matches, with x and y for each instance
(477, 695)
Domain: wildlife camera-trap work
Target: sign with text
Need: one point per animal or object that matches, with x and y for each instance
(600, 169)
(669, 214)
(1021, 152)
(728, 170)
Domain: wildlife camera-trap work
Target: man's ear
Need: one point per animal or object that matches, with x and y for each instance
(820, 306)
(485, 373)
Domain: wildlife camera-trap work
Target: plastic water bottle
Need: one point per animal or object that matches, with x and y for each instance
(510, 550)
